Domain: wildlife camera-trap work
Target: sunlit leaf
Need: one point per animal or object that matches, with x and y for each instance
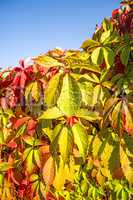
(48, 171)
(70, 97)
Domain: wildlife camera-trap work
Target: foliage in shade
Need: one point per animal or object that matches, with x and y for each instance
(66, 119)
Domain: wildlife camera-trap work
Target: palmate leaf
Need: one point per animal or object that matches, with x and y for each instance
(126, 165)
(70, 97)
(80, 138)
(52, 90)
(65, 142)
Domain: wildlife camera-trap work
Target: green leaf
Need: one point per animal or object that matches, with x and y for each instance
(108, 56)
(88, 115)
(47, 61)
(70, 97)
(97, 56)
(65, 143)
(124, 195)
(52, 90)
(80, 138)
(89, 43)
(51, 113)
(125, 54)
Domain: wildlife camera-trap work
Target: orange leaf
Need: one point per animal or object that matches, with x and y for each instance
(20, 122)
(49, 171)
(127, 119)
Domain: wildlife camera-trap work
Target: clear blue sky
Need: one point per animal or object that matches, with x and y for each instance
(31, 27)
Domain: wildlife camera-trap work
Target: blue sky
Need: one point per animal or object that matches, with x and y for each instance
(31, 27)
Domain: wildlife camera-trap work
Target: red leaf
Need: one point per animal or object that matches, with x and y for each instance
(71, 121)
(4, 103)
(115, 13)
(50, 196)
(24, 79)
(31, 125)
(12, 144)
(20, 122)
(16, 81)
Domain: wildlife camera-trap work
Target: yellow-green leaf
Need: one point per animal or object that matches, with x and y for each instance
(51, 113)
(108, 56)
(65, 143)
(47, 61)
(80, 138)
(52, 90)
(70, 97)
(126, 165)
(97, 56)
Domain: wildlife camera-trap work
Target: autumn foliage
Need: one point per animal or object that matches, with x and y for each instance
(66, 119)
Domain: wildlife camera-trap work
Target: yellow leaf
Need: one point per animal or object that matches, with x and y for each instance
(126, 165)
(63, 173)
